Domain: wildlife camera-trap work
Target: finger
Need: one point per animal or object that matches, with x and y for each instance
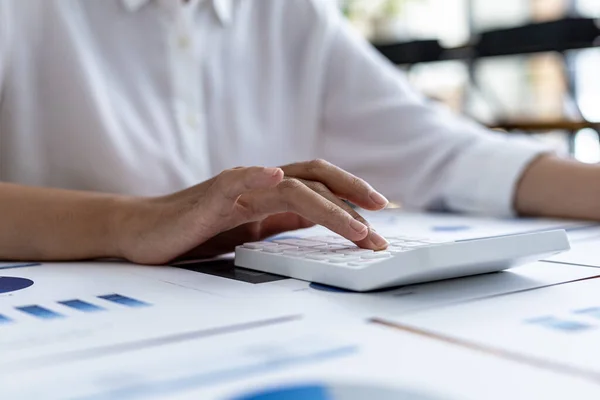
(340, 182)
(231, 184)
(373, 240)
(281, 223)
(291, 195)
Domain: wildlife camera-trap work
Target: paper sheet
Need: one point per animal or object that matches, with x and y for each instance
(582, 253)
(583, 234)
(414, 298)
(297, 352)
(322, 300)
(558, 325)
(456, 227)
(57, 309)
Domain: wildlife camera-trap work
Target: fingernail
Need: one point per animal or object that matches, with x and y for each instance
(272, 171)
(378, 240)
(379, 199)
(358, 226)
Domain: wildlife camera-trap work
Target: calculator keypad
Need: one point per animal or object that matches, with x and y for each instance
(338, 251)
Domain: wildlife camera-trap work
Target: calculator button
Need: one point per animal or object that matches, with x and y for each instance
(324, 239)
(332, 240)
(396, 244)
(259, 245)
(354, 250)
(397, 251)
(331, 247)
(298, 242)
(376, 255)
(299, 252)
(334, 257)
(351, 258)
(338, 260)
(274, 250)
(278, 249)
(399, 247)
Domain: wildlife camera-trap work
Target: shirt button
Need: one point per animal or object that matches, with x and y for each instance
(192, 121)
(184, 42)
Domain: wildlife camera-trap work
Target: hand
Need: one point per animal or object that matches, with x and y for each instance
(225, 242)
(248, 204)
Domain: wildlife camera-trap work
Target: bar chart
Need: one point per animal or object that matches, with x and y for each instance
(59, 309)
(81, 305)
(578, 320)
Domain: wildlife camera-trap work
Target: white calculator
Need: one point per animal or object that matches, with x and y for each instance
(335, 261)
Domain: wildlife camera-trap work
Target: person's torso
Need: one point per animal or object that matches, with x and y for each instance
(105, 95)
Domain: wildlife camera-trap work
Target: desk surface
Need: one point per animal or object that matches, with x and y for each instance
(115, 330)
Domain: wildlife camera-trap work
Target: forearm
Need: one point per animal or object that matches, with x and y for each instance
(555, 187)
(40, 224)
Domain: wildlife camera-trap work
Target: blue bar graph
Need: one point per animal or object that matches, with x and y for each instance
(81, 305)
(123, 300)
(84, 306)
(557, 324)
(593, 312)
(40, 312)
(5, 320)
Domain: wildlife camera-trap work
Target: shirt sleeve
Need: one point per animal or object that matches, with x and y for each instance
(413, 151)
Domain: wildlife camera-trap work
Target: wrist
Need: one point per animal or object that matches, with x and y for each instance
(124, 225)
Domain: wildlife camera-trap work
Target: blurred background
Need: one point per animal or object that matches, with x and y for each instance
(523, 66)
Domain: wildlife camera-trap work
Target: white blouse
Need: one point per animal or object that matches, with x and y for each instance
(147, 97)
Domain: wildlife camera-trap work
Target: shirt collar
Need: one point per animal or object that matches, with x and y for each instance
(223, 8)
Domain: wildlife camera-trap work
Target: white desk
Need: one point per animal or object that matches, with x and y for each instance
(207, 336)
(585, 252)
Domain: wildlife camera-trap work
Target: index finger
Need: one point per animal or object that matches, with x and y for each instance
(293, 196)
(340, 182)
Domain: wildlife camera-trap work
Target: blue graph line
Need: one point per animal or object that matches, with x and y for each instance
(13, 266)
(195, 381)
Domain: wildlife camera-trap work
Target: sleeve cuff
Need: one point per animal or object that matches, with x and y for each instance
(484, 178)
